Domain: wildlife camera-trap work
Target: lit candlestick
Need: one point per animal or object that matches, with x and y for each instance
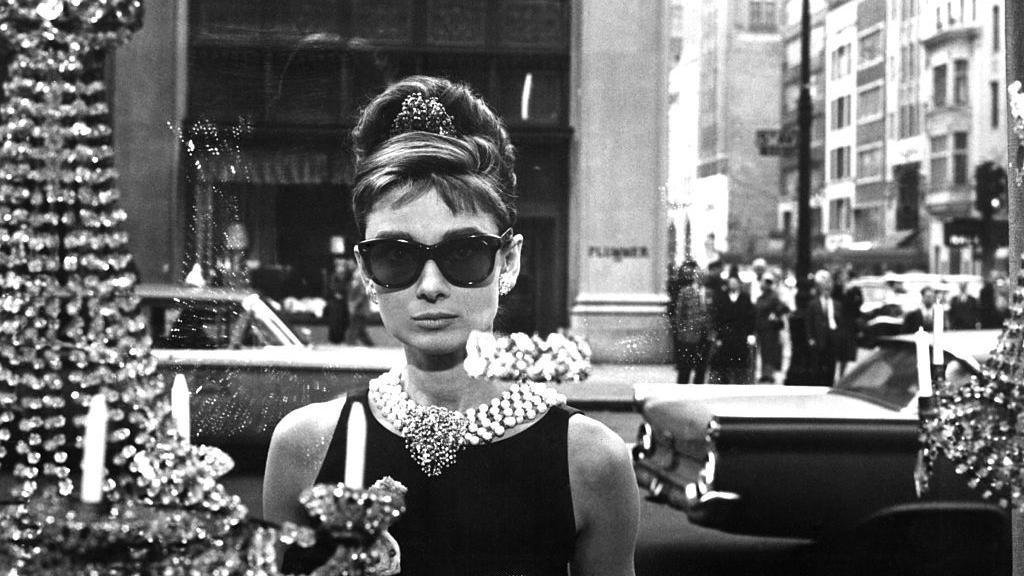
(924, 369)
(180, 410)
(937, 328)
(94, 451)
(355, 447)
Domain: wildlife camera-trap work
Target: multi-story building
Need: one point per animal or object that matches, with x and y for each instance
(913, 104)
(731, 203)
(965, 110)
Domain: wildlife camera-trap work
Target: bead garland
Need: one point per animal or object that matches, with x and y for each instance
(434, 435)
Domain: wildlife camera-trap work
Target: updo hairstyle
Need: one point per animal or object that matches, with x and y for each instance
(472, 170)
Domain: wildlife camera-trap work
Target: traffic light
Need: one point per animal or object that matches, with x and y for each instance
(990, 188)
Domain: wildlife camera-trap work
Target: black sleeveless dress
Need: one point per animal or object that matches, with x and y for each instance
(503, 509)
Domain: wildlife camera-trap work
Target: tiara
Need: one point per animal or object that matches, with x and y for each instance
(421, 114)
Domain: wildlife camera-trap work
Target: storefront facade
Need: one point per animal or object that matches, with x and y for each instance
(251, 128)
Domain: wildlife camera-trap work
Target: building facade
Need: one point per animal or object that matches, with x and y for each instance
(731, 55)
(913, 103)
(245, 126)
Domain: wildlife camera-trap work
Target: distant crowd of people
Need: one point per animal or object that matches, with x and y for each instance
(726, 330)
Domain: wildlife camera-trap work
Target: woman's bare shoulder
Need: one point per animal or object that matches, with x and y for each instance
(594, 447)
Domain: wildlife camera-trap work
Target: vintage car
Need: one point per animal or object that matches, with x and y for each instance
(804, 461)
(245, 366)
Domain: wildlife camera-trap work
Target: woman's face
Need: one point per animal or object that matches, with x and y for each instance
(432, 317)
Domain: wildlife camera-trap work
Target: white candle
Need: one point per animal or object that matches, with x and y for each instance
(924, 368)
(937, 328)
(94, 451)
(355, 447)
(180, 410)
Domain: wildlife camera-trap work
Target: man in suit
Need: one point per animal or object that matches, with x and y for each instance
(824, 318)
(924, 316)
(963, 311)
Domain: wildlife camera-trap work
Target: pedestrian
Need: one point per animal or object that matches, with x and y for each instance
(771, 315)
(851, 327)
(690, 325)
(336, 295)
(823, 320)
(358, 313)
(924, 315)
(963, 311)
(732, 326)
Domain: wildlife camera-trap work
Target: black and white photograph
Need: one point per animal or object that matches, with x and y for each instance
(511, 287)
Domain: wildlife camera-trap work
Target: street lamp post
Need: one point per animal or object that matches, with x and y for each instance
(801, 371)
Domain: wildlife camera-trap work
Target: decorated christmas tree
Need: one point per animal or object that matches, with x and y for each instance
(78, 384)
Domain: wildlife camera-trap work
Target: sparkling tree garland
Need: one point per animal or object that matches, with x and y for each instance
(71, 327)
(979, 424)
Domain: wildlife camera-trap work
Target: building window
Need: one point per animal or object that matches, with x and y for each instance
(960, 158)
(996, 113)
(841, 61)
(840, 112)
(867, 223)
(869, 164)
(839, 215)
(997, 24)
(870, 48)
(940, 161)
(791, 101)
(762, 16)
(939, 85)
(960, 86)
(839, 163)
(869, 103)
(792, 184)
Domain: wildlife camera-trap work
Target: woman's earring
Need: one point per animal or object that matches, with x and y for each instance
(505, 284)
(372, 293)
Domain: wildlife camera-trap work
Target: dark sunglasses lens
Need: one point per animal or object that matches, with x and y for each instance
(392, 263)
(467, 261)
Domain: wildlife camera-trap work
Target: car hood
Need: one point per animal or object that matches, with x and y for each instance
(288, 357)
(685, 414)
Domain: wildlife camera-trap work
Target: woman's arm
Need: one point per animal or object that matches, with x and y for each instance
(297, 451)
(605, 500)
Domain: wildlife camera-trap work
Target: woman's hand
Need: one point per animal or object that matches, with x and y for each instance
(605, 498)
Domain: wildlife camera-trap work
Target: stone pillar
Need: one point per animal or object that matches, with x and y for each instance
(148, 108)
(618, 221)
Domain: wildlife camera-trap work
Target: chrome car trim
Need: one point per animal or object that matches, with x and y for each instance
(719, 496)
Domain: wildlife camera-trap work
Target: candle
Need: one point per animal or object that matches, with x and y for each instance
(924, 368)
(355, 447)
(94, 451)
(180, 410)
(937, 328)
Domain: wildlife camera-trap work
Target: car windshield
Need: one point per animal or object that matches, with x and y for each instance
(888, 375)
(182, 324)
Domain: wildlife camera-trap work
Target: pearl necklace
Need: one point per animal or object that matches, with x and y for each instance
(435, 435)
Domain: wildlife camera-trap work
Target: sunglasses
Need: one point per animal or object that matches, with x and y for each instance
(465, 261)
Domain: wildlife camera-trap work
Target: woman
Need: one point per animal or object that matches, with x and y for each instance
(433, 195)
